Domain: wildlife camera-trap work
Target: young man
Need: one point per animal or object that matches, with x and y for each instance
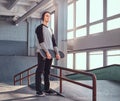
(46, 41)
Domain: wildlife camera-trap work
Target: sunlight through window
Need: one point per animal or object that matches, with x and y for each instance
(113, 57)
(80, 12)
(113, 7)
(70, 61)
(80, 61)
(96, 10)
(96, 59)
(70, 16)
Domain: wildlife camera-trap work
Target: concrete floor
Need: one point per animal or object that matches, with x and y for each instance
(106, 91)
(24, 93)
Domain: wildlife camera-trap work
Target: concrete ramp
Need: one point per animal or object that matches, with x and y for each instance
(24, 93)
(106, 91)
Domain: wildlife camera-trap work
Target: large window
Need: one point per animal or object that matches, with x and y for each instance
(80, 12)
(70, 16)
(113, 24)
(86, 17)
(81, 32)
(113, 57)
(96, 28)
(96, 59)
(113, 7)
(93, 16)
(70, 61)
(96, 10)
(80, 61)
(70, 35)
(52, 21)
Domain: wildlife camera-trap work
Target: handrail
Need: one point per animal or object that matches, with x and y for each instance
(93, 87)
(20, 74)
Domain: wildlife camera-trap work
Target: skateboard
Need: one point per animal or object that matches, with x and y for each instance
(54, 93)
(52, 52)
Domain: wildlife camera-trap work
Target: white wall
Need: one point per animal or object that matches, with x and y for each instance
(99, 40)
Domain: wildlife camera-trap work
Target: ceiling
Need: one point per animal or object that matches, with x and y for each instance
(24, 8)
(19, 10)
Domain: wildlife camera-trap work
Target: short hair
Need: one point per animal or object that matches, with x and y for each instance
(43, 14)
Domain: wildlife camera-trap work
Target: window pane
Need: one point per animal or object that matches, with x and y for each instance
(70, 61)
(113, 57)
(80, 12)
(81, 32)
(80, 61)
(70, 16)
(113, 7)
(70, 35)
(113, 60)
(113, 24)
(96, 10)
(96, 59)
(96, 28)
(113, 52)
(52, 22)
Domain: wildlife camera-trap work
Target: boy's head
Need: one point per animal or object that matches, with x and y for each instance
(44, 15)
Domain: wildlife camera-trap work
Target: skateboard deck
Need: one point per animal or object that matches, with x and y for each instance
(54, 93)
(52, 52)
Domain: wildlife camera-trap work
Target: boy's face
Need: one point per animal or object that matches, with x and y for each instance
(47, 17)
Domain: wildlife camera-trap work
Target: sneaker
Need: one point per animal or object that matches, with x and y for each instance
(50, 92)
(40, 94)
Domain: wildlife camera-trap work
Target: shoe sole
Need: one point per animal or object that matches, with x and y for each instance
(40, 95)
(50, 93)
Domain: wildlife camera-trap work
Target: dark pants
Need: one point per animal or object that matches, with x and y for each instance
(43, 68)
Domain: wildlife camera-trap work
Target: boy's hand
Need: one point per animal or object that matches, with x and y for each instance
(48, 55)
(57, 56)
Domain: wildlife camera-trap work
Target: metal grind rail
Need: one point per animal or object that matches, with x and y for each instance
(61, 78)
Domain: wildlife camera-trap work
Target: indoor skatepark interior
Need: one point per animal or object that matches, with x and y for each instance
(86, 31)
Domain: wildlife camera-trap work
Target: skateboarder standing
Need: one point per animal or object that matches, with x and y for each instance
(46, 41)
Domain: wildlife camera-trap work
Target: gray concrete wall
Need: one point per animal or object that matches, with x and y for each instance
(32, 24)
(11, 65)
(18, 39)
(11, 32)
(13, 39)
(16, 45)
(18, 48)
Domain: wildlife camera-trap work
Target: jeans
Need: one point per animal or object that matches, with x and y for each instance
(43, 68)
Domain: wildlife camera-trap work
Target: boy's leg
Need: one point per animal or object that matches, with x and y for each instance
(46, 74)
(39, 72)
